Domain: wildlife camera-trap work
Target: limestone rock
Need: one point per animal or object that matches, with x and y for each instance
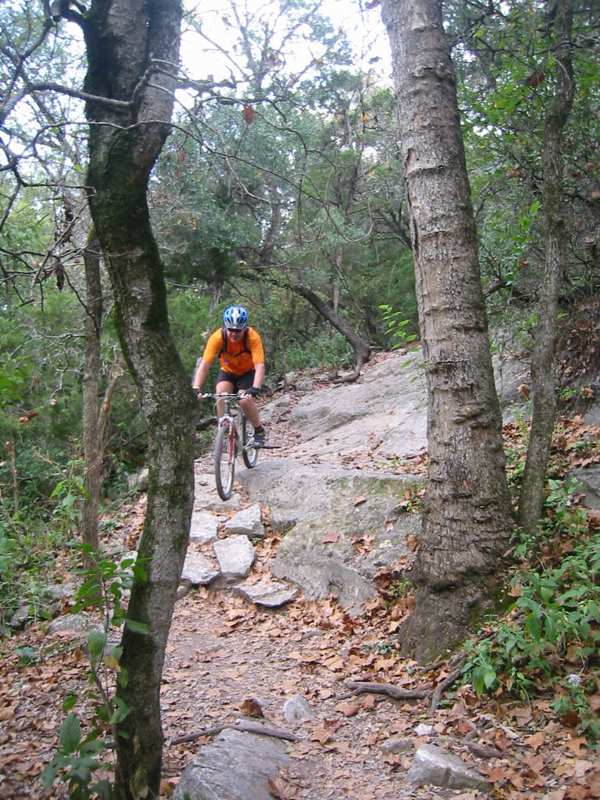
(20, 617)
(270, 594)
(318, 507)
(436, 767)
(139, 481)
(73, 625)
(397, 745)
(588, 479)
(297, 710)
(203, 527)
(198, 570)
(236, 766)
(246, 522)
(235, 556)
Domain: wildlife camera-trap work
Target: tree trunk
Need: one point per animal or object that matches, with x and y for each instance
(543, 369)
(466, 520)
(133, 50)
(92, 447)
(362, 349)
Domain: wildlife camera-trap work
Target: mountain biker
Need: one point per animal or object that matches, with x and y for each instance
(242, 365)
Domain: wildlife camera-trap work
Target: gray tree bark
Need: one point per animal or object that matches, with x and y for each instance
(467, 522)
(543, 367)
(92, 447)
(133, 50)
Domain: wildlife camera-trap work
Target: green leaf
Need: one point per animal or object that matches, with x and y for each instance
(70, 734)
(137, 627)
(96, 643)
(69, 702)
(49, 774)
(489, 677)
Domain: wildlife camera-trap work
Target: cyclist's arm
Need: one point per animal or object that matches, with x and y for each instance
(203, 365)
(200, 374)
(259, 376)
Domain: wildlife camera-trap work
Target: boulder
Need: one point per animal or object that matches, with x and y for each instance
(75, 626)
(236, 766)
(434, 766)
(139, 481)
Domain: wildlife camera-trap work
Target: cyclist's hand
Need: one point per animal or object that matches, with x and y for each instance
(201, 395)
(253, 391)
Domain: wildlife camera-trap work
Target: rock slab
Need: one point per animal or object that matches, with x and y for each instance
(236, 766)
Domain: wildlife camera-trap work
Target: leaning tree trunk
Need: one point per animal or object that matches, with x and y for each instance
(362, 349)
(466, 520)
(132, 50)
(543, 368)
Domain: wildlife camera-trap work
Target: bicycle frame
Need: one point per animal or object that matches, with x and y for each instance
(227, 442)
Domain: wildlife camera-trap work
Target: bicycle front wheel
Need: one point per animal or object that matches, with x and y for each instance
(249, 453)
(224, 462)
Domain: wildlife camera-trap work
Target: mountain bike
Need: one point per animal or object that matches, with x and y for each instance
(229, 441)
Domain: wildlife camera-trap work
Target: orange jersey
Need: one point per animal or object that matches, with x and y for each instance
(236, 359)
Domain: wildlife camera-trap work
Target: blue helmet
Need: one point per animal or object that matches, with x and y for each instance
(235, 317)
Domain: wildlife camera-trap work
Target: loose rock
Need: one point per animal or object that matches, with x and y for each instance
(271, 594)
(247, 522)
(203, 527)
(198, 570)
(236, 766)
(434, 766)
(297, 710)
(235, 556)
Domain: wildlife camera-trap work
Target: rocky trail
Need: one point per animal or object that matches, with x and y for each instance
(290, 601)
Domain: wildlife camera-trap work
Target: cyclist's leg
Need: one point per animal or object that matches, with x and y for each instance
(225, 385)
(247, 403)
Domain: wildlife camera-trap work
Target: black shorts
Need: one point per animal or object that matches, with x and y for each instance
(244, 381)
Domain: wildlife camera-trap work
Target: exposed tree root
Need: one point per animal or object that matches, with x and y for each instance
(247, 726)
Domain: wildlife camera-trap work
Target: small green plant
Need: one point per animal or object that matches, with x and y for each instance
(553, 626)
(78, 757)
(396, 328)
(68, 494)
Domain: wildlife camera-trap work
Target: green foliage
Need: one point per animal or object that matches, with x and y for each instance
(553, 628)
(105, 587)
(396, 328)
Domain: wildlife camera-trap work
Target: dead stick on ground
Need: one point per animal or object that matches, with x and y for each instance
(389, 689)
(442, 686)
(239, 725)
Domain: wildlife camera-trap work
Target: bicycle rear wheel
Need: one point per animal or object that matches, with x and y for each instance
(224, 455)
(249, 453)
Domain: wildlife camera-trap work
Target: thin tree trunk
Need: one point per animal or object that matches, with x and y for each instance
(362, 349)
(133, 50)
(543, 368)
(466, 520)
(93, 451)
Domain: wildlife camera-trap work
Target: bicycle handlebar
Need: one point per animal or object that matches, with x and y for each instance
(215, 396)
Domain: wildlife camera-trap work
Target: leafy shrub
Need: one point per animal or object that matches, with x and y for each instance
(550, 640)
